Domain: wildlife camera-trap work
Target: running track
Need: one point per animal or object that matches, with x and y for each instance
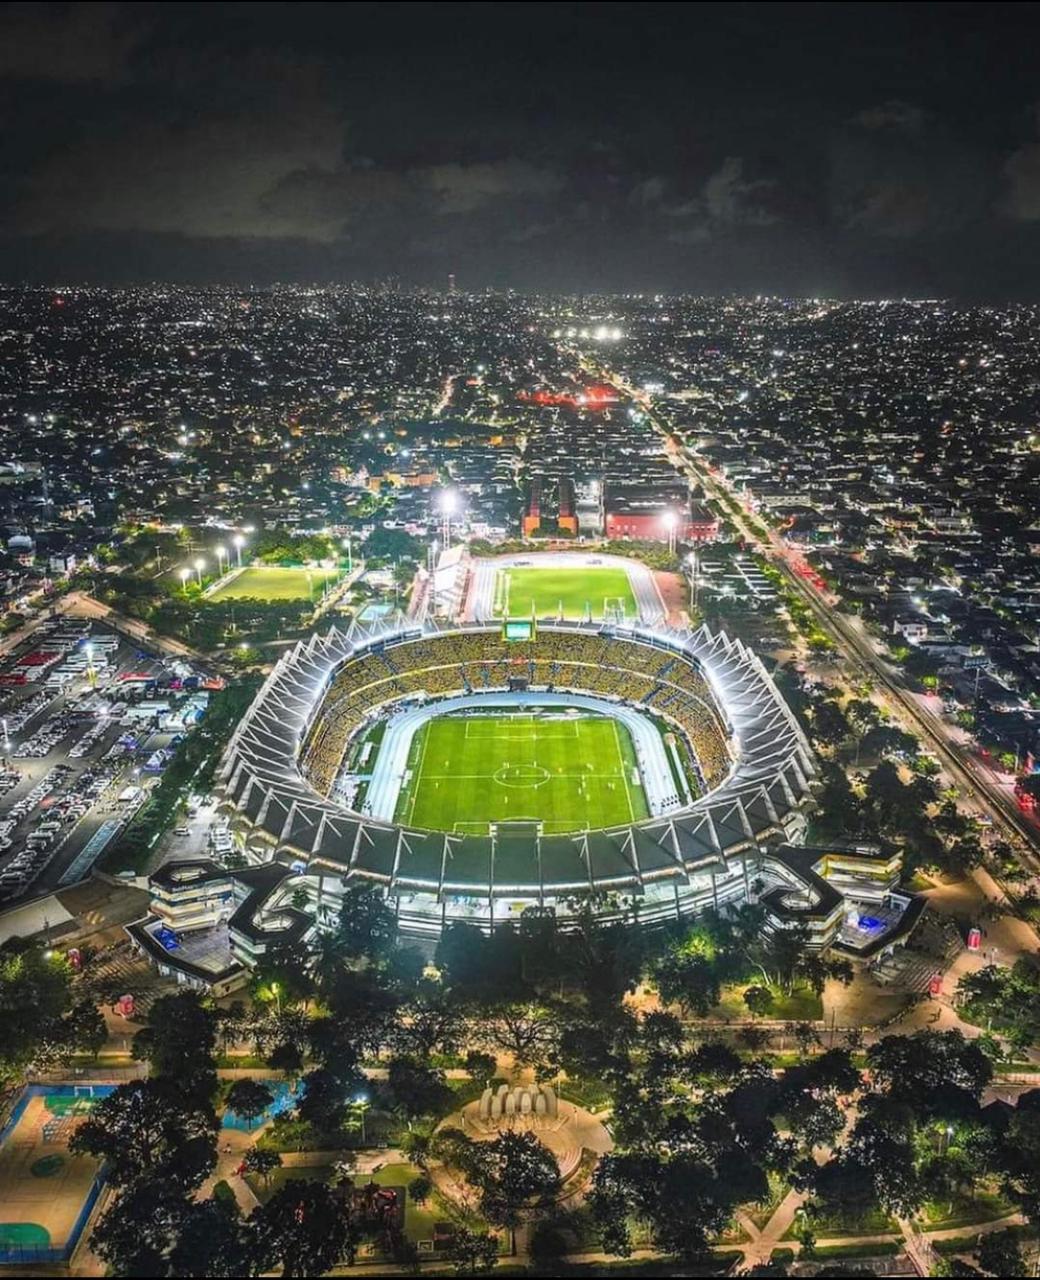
(389, 770)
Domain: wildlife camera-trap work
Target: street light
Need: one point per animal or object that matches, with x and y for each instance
(185, 574)
(239, 542)
(200, 564)
(221, 555)
(350, 553)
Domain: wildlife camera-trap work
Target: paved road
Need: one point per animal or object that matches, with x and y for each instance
(855, 644)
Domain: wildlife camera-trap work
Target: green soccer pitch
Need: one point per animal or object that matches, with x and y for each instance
(570, 773)
(272, 582)
(600, 588)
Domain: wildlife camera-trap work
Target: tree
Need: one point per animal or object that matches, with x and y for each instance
(416, 1088)
(262, 1161)
(83, 1028)
(150, 1128)
(323, 1102)
(688, 978)
(1000, 1254)
(249, 1098)
(133, 1235)
(480, 1065)
(806, 1037)
(527, 1031)
(829, 723)
(282, 976)
(393, 544)
(472, 1253)
(330, 955)
(178, 1043)
(35, 993)
(862, 714)
(303, 1228)
(513, 1173)
(430, 1021)
(759, 1001)
(420, 1188)
(211, 1241)
(937, 1075)
(367, 926)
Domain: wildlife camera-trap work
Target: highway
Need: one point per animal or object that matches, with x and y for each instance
(854, 644)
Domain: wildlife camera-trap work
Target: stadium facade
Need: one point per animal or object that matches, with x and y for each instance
(303, 846)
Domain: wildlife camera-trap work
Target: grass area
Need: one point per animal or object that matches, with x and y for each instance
(967, 1211)
(760, 1214)
(802, 1005)
(272, 582)
(1025, 1235)
(570, 772)
(882, 1249)
(419, 1220)
(597, 591)
(872, 1222)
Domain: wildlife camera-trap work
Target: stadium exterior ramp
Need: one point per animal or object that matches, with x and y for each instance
(698, 856)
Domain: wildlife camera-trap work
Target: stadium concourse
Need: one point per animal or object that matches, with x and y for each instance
(302, 845)
(483, 596)
(388, 774)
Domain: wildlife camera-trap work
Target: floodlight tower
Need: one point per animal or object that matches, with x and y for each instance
(221, 554)
(449, 504)
(671, 523)
(200, 564)
(184, 574)
(239, 542)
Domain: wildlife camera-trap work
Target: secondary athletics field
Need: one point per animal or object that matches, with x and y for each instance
(44, 1189)
(272, 582)
(597, 591)
(569, 772)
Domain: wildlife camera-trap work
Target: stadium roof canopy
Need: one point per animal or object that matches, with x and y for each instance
(754, 805)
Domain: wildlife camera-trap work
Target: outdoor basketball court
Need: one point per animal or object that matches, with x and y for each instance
(45, 1192)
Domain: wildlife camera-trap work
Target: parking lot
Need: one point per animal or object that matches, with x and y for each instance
(88, 722)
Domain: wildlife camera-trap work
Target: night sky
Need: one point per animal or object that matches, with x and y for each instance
(842, 150)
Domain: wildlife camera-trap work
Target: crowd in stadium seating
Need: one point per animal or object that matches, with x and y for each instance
(474, 661)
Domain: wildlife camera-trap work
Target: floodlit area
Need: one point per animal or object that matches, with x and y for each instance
(566, 593)
(273, 582)
(568, 771)
(46, 1193)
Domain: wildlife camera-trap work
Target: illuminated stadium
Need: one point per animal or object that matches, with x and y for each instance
(475, 772)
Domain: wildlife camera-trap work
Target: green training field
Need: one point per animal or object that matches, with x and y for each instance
(570, 772)
(272, 582)
(598, 589)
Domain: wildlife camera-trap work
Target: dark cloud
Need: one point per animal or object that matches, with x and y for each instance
(798, 148)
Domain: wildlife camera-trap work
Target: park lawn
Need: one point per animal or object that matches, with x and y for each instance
(596, 591)
(419, 1220)
(873, 1222)
(802, 1005)
(571, 773)
(273, 582)
(965, 1211)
